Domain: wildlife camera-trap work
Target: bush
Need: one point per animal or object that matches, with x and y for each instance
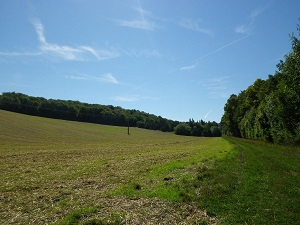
(183, 129)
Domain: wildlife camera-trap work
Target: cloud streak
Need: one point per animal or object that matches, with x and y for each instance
(246, 28)
(18, 54)
(131, 52)
(138, 24)
(207, 114)
(130, 97)
(142, 22)
(65, 52)
(107, 78)
(197, 61)
(194, 25)
(217, 87)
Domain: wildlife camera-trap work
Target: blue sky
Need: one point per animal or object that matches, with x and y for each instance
(178, 59)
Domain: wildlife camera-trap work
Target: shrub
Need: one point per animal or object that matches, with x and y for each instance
(183, 129)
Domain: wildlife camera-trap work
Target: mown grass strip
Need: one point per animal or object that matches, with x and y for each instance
(259, 185)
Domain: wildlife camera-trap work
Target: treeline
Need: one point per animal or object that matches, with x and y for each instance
(83, 112)
(200, 129)
(95, 113)
(269, 109)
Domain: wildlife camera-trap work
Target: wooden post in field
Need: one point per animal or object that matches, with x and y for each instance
(128, 126)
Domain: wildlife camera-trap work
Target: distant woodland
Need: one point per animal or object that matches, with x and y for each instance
(102, 114)
(269, 109)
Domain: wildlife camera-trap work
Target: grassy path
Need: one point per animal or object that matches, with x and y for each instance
(260, 185)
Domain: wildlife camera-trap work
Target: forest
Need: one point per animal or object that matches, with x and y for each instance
(269, 110)
(102, 114)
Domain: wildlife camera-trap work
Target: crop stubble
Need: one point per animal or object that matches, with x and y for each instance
(50, 168)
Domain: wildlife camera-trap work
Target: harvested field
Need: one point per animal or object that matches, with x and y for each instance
(55, 171)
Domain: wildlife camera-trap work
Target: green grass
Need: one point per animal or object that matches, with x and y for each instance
(259, 185)
(168, 180)
(63, 172)
(78, 216)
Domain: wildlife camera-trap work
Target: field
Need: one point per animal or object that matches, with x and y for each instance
(63, 172)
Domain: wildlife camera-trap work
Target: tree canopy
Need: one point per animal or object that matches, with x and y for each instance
(269, 109)
(95, 113)
(77, 111)
(200, 129)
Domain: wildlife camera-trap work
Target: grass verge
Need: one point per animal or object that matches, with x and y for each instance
(171, 180)
(260, 184)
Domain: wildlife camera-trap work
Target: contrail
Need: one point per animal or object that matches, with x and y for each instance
(206, 115)
(137, 88)
(208, 54)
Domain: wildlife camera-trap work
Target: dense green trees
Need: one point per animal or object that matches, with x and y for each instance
(102, 114)
(269, 109)
(200, 129)
(77, 111)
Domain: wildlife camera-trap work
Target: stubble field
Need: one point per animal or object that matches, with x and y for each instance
(60, 171)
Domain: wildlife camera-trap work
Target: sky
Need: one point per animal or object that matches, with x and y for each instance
(178, 59)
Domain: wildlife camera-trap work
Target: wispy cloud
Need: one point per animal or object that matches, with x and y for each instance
(190, 67)
(217, 87)
(247, 27)
(18, 54)
(242, 29)
(256, 12)
(64, 52)
(39, 28)
(144, 21)
(195, 26)
(130, 96)
(143, 12)
(100, 54)
(80, 53)
(131, 52)
(197, 61)
(138, 24)
(107, 78)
